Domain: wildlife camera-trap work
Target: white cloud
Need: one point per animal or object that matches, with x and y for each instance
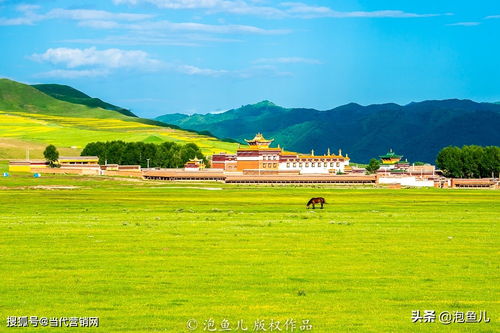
(209, 28)
(287, 60)
(141, 40)
(29, 15)
(91, 62)
(492, 17)
(303, 10)
(182, 27)
(285, 9)
(228, 6)
(16, 21)
(90, 14)
(100, 24)
(193, 70)
(254, 71)
(133, 22)
(110, 58)
(73, 73)
(465, 24)
(27, 8)
(260, 71)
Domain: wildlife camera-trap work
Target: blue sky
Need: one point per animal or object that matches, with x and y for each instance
(166, 56)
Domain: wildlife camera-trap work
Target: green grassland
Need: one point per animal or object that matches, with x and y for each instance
(30, 119)
(148, 256)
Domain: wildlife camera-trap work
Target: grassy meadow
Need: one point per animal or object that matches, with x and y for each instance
(149, 256)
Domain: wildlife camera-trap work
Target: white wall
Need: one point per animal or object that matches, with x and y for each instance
(315, 169)
(406, 181)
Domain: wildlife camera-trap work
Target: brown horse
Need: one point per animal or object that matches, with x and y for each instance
(314, 201)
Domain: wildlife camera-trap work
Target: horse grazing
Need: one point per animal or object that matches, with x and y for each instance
(315, 201)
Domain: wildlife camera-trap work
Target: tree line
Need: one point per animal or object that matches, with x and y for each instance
(164, 155)
(469, 161)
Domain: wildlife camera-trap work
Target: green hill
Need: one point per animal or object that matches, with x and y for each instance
(32, 119)
(417, 130)
(72, 95)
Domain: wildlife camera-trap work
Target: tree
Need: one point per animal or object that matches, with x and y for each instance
(165, 155)
(95, 149)
(373, 166)
(490, 162)
(51, 155)
(469, 161)
(449, 160)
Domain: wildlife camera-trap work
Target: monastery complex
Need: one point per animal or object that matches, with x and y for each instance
(259, 163)
(259, 157)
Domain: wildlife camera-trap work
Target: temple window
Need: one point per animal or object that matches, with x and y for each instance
(313, 164)
(331, 164)
(338, 164)
(307, 165)
(288, 165)
(294, 165)
(264, 165)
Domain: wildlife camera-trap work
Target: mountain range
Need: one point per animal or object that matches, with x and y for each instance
(32, 116)
(417, 130)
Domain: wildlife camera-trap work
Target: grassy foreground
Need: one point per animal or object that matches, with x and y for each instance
(149, 256)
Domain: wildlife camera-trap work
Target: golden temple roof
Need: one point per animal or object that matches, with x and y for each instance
(259, 140)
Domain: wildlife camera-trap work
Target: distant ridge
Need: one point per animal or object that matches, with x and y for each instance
(72, 95)
(417, 130)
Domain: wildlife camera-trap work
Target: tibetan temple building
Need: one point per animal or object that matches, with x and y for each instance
(390, 158)
(194, 164)
(391, 161)
(259, 157)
